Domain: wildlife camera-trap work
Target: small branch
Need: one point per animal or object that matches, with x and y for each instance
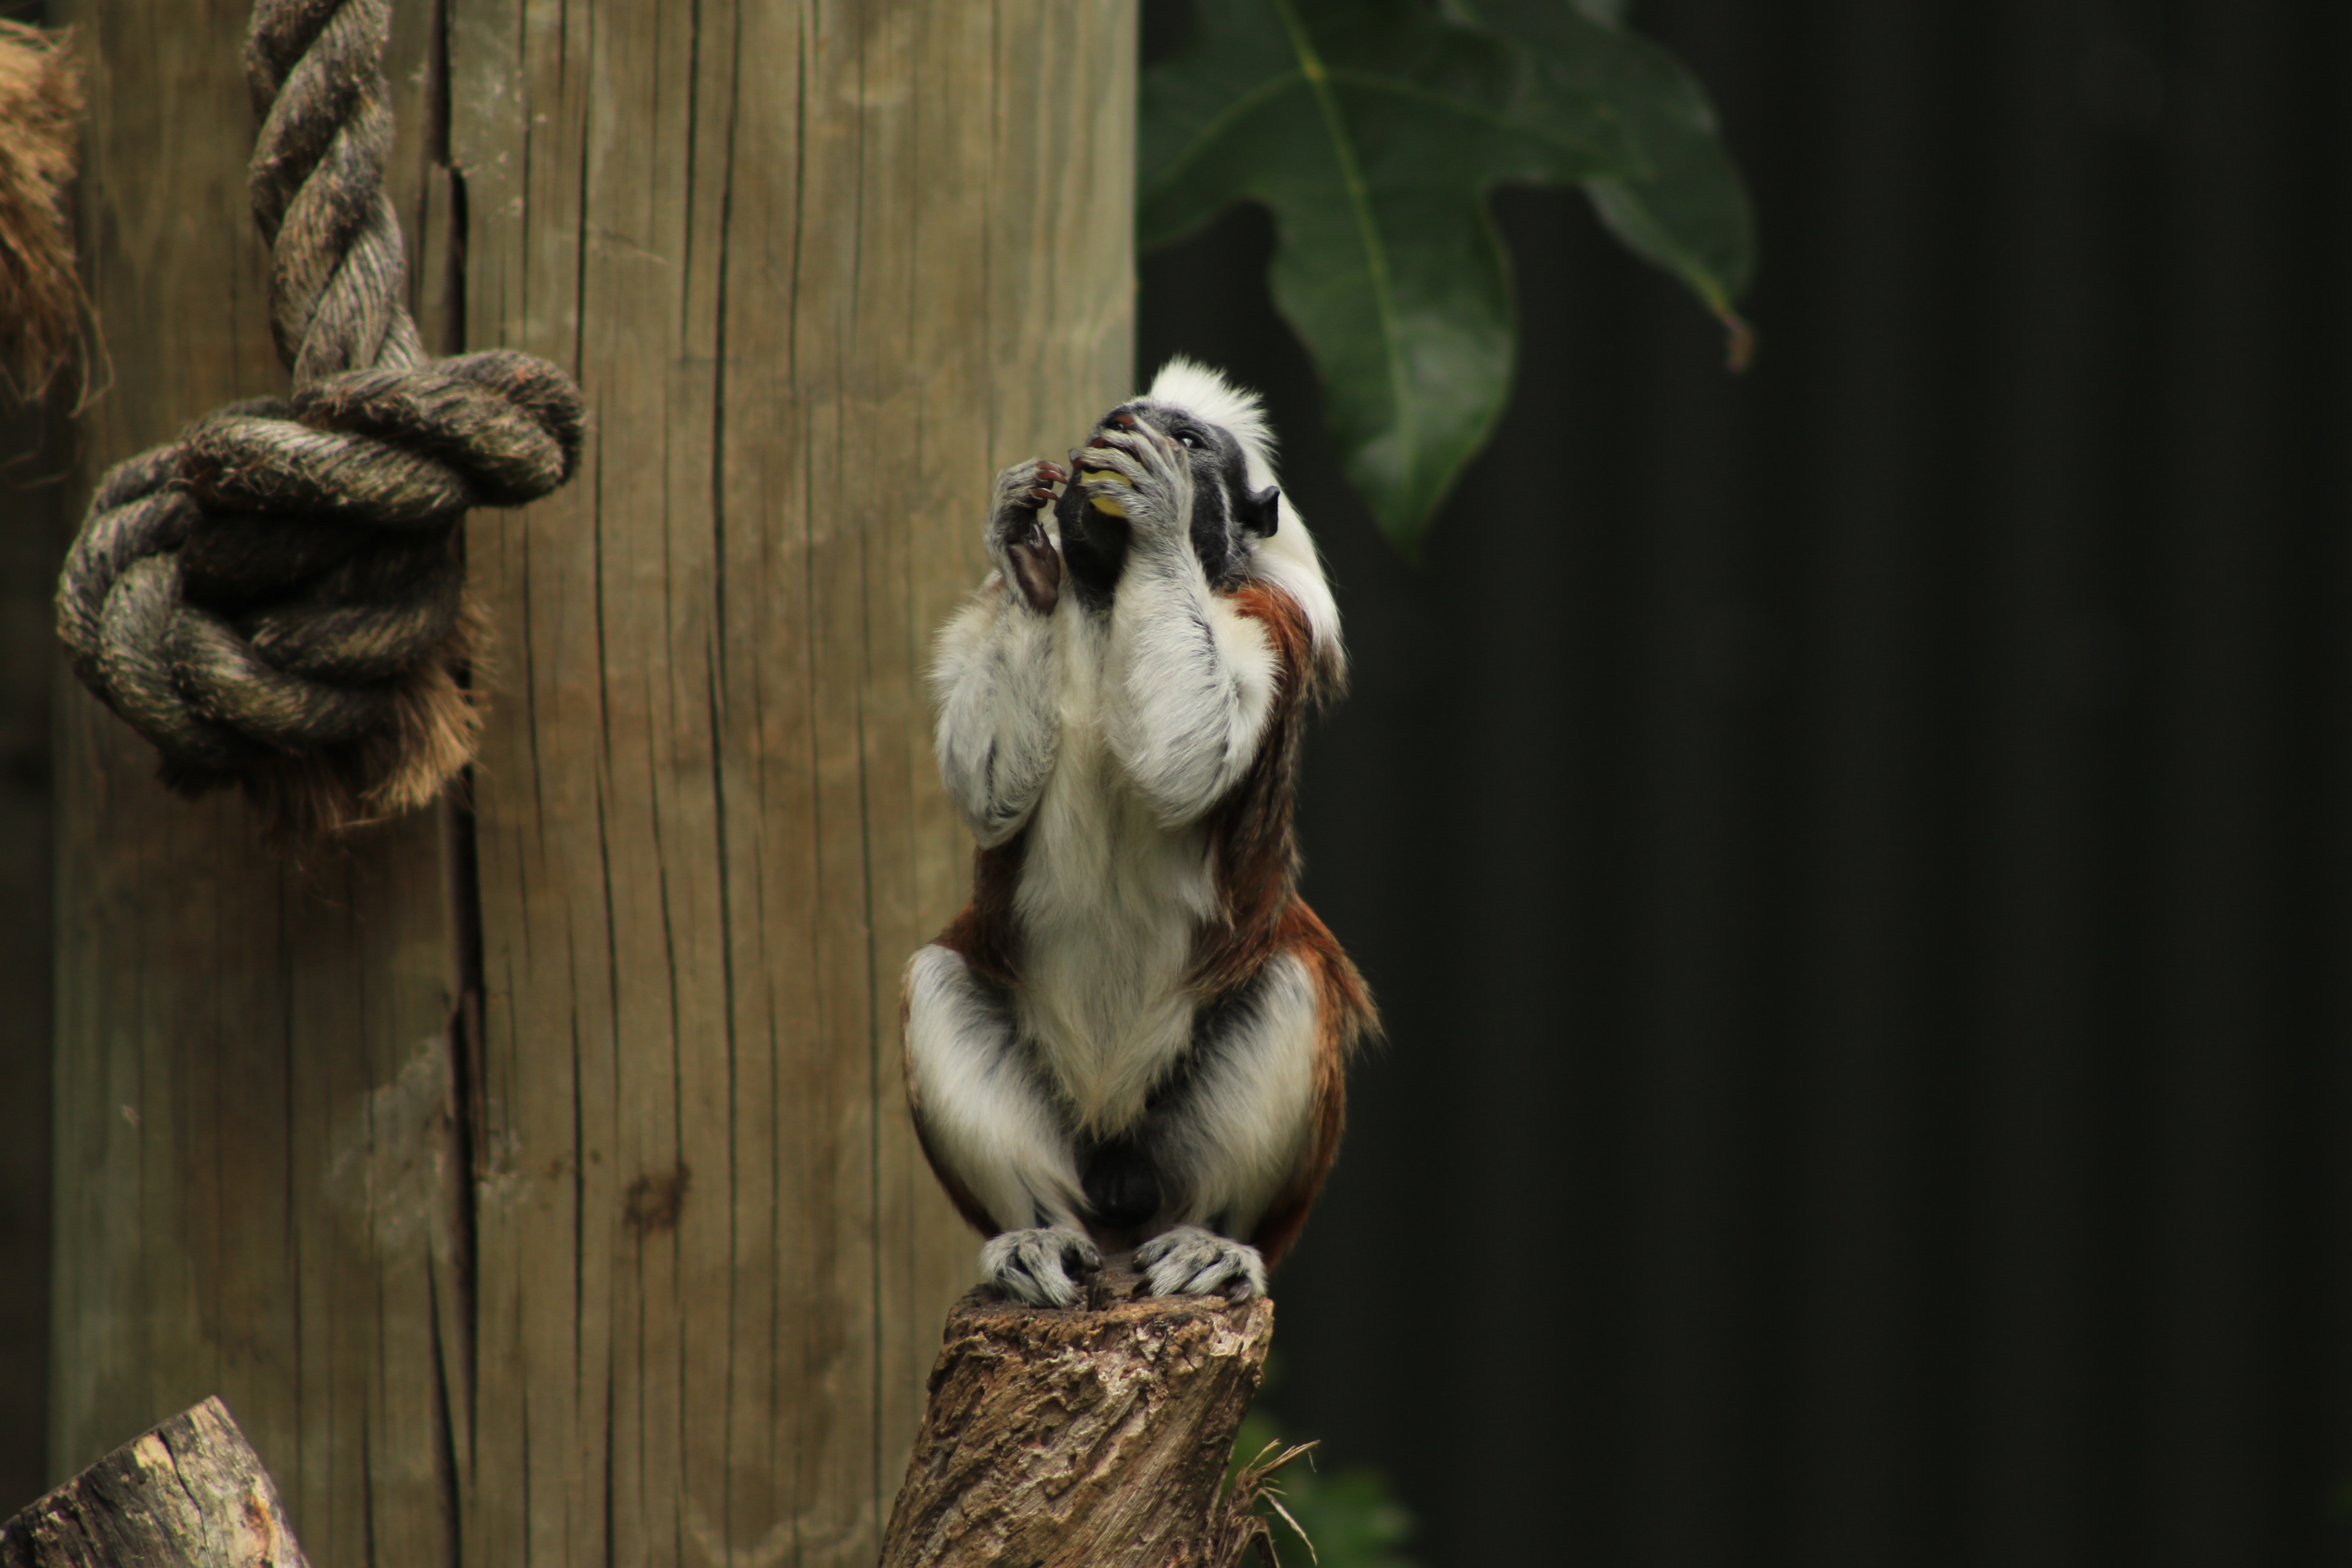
(189, 1494)
(1094, 1435)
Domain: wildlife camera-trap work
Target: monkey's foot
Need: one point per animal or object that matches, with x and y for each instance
(1190, 1261)
(1039, 1266)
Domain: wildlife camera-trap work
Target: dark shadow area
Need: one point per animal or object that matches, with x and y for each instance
(32, 541)
(1853, 857)
(31, 466)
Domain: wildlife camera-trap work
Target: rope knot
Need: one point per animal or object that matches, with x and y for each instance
(283, 584)
(277, 598)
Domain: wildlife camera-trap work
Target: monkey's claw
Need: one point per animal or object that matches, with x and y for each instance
(1028, 487)
(1191, 1261)
(1039, 1266)
(1039, 492)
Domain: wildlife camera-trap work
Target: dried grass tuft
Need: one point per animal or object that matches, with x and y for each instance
(1240, 1525)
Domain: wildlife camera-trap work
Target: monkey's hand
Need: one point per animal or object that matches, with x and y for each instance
(1017, 541)
(1039, 1266)
(1190, 1261)
(1133, 471)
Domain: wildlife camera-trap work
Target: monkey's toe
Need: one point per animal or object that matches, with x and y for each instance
(1039, 1266)
(1191, 1261)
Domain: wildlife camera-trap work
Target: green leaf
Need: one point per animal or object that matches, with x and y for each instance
(1373, 130)
(1684, 209)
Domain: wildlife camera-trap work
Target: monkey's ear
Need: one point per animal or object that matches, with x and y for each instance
(1261, 513)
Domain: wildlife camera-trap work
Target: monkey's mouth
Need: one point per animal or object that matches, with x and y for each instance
(1106, 505)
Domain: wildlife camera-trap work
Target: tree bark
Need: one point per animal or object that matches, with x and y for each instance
(189, 1494)
(541, 1189)
(1094, 1435)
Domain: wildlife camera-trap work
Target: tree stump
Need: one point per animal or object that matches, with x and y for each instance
(1094, 1435)
(189, 1494)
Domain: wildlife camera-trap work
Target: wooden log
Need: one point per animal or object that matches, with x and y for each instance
(1094, 1435)
(192, 1493)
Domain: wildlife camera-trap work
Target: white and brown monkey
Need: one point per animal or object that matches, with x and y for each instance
(1134, 1035)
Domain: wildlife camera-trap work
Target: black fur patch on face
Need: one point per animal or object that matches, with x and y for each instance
(1261, 513)
(1094, 548)
(1222, 503)
(1093, 545)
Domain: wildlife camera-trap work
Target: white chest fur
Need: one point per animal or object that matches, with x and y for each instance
(1108, 903)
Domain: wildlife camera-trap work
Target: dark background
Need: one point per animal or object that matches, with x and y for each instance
(1853, 857)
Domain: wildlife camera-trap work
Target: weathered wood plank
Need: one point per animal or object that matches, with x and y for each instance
(252, 1063)
(819, 270)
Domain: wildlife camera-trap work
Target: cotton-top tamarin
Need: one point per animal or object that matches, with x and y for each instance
(1134, 1035)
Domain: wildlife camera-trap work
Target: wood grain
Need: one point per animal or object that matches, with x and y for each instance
(252, 1061)
(192, 1493)
(1090, 1438)
(820, 271)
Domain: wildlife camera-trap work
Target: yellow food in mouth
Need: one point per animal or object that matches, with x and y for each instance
(1105, 504)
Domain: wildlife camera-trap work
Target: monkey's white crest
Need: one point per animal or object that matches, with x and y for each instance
(1196, 388)
(1288, 559)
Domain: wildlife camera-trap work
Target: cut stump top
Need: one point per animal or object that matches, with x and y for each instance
(1091, 1435)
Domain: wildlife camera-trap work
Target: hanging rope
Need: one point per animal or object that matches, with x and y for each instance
(277, 598)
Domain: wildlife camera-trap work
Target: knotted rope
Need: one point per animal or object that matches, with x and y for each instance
(277, 598)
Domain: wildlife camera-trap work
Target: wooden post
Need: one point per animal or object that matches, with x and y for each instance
(252, 1065)
(640, 1264)
(192, 1493)
(1091, 1437)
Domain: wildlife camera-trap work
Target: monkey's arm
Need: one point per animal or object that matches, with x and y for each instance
(1190, 681)
(994, 679)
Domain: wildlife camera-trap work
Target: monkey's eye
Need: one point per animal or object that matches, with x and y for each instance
(1188, 440)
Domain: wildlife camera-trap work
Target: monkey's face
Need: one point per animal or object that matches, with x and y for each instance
(1227, 517)
(1226, 513)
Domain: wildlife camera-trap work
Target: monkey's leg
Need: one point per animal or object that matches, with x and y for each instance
(992, 1133)
(1234, 1132)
